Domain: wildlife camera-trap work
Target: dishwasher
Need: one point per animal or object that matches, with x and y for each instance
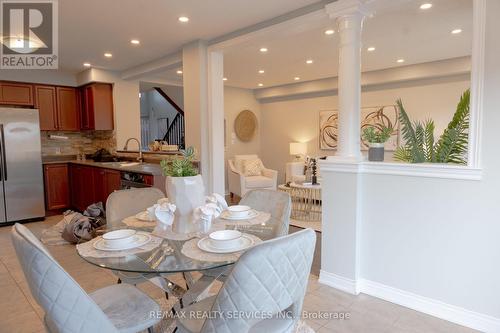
(130, 180)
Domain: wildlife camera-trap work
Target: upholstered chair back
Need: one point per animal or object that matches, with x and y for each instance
(125, 203)
(270, 278)
(277, 203)
(68, 308)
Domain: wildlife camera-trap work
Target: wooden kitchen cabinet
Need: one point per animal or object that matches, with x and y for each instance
(16, 93)
(58, 107)
(92, 184)
(56, 179)
(68, 109)
(46, 103)
(113, 182)
(106, 181)
(82, 186)
(97, 107)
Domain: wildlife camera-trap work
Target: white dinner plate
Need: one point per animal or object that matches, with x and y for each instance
(144, 216)
(139, 239)
(227, 216)
(205, 245)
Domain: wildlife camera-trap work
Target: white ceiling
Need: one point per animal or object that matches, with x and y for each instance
(404, 32)
(89, 28)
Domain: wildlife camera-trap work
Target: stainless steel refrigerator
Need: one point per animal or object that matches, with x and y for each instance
(21, 175)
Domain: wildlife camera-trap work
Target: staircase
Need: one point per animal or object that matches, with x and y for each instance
(175, 131)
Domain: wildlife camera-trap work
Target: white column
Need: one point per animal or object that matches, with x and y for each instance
(341, 181)
(349, 15)
(204, 110)
(216, 121)
(195, 84)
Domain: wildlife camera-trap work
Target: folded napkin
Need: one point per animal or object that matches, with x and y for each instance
(164, 214)
(218, 202)
(203, 216)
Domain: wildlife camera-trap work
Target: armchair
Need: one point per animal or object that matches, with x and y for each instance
(239, 184)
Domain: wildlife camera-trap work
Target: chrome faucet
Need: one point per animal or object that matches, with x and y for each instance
(140, 159)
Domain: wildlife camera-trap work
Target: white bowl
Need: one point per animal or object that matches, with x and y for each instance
(225, 239)
(119, 238)
(239, 210)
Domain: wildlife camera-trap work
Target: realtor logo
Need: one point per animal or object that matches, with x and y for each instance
(29, 34)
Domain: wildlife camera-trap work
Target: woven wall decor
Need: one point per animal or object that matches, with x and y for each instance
(245, 125)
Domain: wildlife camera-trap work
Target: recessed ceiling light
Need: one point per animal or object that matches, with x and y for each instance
(371, 49)
(183, 19)
(329, 32)
(224, 79)
(296, 78)
(260, 85)
(179, 72)
(135, 42)
(263, 49)
(426, 6)
(456, 31)
(400, 60)
(86, 64)
(261, 71)
(108, 55)
(309, 61)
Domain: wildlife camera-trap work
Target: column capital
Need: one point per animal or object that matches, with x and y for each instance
(342, 8)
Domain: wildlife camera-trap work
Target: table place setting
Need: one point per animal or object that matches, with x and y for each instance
(119, 243)
(221, 245)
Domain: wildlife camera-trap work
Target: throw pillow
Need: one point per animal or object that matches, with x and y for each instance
(252, 167)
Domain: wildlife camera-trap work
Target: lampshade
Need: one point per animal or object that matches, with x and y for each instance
(298, 148)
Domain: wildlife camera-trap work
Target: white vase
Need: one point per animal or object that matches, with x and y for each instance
(186, 193)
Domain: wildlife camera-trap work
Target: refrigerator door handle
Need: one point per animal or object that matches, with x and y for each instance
(4, 160)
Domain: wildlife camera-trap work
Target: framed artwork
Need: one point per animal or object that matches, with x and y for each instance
(370, 117)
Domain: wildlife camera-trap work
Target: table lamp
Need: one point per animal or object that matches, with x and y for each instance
(299, 149)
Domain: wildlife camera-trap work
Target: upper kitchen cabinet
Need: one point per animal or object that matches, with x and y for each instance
(97, 109)
(58, 107)
(46, 103)
(16, 93)
(68, 108)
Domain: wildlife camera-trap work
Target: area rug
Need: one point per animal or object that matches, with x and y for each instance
(316, 225)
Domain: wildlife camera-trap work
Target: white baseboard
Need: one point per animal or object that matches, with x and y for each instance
(452, 313)
(431, 306)
(338, 282)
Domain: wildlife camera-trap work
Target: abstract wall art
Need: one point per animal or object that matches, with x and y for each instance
(378, 116)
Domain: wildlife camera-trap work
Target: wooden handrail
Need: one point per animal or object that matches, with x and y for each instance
(171, 101)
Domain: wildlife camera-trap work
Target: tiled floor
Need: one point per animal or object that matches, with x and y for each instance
(20, 313)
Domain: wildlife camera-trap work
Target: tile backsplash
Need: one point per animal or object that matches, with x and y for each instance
(73, 143)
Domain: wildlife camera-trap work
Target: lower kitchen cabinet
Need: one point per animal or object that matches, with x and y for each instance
(56, 186)
(81, 184)
(106, 181)
(77, 186)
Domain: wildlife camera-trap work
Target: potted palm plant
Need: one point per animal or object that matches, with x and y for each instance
(184, 187)
(376, 138)
(419, 144)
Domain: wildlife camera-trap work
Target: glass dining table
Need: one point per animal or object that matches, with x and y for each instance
(166, 259)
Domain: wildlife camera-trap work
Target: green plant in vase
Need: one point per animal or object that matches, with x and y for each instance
(180, 166)
(376, 138)
(184, 188)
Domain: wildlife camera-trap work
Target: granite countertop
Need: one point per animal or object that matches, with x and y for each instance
(144, 168)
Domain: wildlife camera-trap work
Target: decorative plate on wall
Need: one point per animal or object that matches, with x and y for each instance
(245, 125)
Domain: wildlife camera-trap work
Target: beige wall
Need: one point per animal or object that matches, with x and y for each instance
(298, 119)
(235, 101)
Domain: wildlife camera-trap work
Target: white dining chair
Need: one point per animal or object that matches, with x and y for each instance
(125, 203)
(277, 203)
(68, 308)
(269, 279)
